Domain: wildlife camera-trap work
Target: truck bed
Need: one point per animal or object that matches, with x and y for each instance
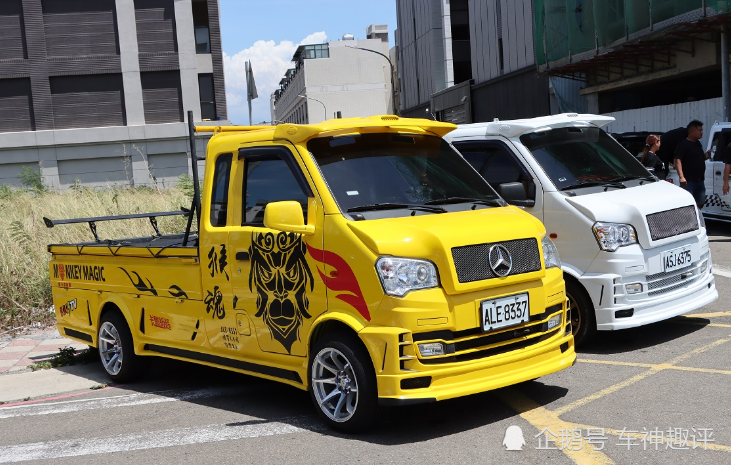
(169, 245)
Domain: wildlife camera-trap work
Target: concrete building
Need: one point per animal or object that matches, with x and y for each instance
(468, 61)
(653, 64)
(96, 91)
(337, 79)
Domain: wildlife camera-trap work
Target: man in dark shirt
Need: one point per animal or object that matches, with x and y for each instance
(690, 163)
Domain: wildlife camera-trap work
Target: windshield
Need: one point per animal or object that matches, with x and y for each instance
(582, 157)
(382, 171)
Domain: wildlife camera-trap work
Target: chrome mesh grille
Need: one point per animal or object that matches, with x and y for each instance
(472, 264)
(673, 222)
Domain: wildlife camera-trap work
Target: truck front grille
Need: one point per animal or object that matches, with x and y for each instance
(673, 222)
(472, 263)
(662, 283)
(474, 344)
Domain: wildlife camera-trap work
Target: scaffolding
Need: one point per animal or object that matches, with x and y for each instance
(576, 38)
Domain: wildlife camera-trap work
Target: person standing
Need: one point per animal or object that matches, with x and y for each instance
(690, 163)
(650, 158)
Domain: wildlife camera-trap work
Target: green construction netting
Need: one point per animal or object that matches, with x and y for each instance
(569, 27)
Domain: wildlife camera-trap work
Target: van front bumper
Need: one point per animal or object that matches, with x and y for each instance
(619, 310)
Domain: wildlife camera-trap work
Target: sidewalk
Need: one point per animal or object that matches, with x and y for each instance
(32, 346)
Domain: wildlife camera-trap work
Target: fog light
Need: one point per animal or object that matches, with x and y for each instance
(634, 288)
(431, 349)
(554, 321)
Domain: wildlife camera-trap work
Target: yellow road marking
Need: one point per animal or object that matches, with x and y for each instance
(542, 418)
(649, 365)
(639, 377)
(705, 315)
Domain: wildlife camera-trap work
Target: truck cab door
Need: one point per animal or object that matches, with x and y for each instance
(504, 170)
(216, 261)
(277, 290)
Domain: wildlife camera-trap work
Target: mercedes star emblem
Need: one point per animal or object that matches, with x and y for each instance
(500, 260)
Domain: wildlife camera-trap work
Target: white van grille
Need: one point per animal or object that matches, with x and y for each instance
(472, 263)
(673, 222)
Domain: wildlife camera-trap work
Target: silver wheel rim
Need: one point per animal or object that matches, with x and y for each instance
(334, 385)
(110, 348)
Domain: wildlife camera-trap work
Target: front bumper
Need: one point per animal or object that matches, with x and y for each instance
(679, 293)
(465, 379)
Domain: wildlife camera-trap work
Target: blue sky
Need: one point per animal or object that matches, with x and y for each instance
(267, 32)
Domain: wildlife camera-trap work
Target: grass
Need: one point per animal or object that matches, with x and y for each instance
(25, 290)
(67, 356)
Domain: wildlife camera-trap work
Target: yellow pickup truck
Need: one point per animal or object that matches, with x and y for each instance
(360, 259)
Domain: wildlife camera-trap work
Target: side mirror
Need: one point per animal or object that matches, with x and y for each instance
(514, 194)
(287, 216)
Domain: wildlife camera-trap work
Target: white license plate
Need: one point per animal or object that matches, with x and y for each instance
(505, 311)
(677, 258)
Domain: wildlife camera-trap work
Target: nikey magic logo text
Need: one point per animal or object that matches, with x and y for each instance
(78, 272)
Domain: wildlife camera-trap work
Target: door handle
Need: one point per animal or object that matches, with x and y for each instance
(242, 255)
(718, 173)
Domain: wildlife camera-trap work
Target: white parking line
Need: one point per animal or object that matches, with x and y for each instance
(721, 271)
(114, 401)
(153, 439)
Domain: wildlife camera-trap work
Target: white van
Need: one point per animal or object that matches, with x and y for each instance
(633, 249)
(717, 206)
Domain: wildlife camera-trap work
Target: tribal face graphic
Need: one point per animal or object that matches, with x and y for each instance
(281, 276)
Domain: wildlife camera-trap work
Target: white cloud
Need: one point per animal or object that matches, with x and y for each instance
(269, 61)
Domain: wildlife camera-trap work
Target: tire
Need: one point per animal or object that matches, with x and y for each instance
(343, 383)
(116, 349)
(581, 313)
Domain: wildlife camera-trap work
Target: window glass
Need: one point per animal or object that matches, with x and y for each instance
(219, 196)
(269, 180)
(576, 155)
(370, 169)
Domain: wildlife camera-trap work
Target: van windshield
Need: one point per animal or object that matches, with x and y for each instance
(399, 174)
(583, 157)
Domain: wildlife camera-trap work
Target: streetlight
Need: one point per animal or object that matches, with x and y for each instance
(393, 89)
(310, 98)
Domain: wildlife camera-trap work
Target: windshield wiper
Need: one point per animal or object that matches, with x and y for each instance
(632, 178)
(593, 183)
(448, 200)
(395, 206)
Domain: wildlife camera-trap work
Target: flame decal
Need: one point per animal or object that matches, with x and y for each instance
(345, 280)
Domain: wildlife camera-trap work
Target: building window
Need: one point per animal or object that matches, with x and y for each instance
(162, 97)
(155, 21)
(316, 51)
(87, 101)
(80, 28)
(208, 98)
(13, 30)
(202, 31)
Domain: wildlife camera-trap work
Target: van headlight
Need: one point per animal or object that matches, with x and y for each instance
(401, 275)
(612, 236)
(550, 254)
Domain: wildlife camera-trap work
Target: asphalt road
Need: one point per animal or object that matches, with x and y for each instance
(652, 395)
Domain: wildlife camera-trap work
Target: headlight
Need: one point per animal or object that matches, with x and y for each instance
(550, 254)
(702, 220)
(401, 275)
(612, 236)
